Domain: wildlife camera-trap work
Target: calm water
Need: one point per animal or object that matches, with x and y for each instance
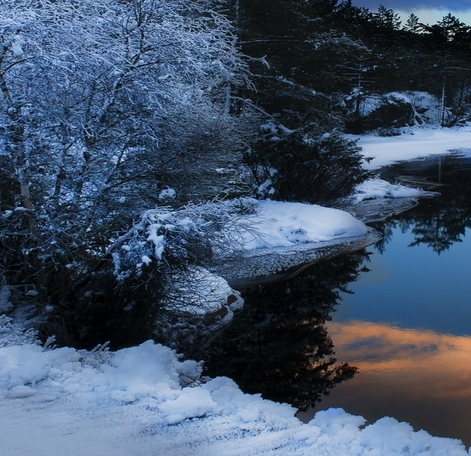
(399, 312)
(407, 328)
(407, 323)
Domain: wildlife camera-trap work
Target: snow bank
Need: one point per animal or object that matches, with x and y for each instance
(418, 142)
(197, 291)
(197, 303)
(279, 224)
(144, 400)
(379, 188)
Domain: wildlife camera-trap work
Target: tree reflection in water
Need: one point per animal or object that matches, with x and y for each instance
(278, 345)
(436, 222)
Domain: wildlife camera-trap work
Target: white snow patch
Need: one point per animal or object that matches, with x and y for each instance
(379, 188)
(138, 401)
(417, 142)
(157, 240)
(146, 260)
(279, 224)
(167, 193)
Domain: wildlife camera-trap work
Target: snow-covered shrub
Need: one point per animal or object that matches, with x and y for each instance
(103, 109)
(192, 234)
(12, 334)
(162, 253)
(389, 111)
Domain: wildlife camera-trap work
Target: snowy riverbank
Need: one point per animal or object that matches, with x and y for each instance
(414, 143)
(281, 236)
(143, 401)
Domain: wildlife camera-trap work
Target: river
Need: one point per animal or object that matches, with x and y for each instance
(382, 332)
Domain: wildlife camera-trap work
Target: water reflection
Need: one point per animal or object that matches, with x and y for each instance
(279, 345)
(433, 365)
(413, 287)
(416, 367)
(437, 222)
(420, 376)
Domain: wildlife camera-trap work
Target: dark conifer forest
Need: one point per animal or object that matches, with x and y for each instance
(323, 57)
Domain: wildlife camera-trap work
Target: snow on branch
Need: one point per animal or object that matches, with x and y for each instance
(191, 234)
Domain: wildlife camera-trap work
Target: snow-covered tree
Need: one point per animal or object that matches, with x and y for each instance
(300, 166)
(102, 104)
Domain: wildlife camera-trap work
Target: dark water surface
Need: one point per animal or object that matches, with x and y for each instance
(399, 312)
(407, 325)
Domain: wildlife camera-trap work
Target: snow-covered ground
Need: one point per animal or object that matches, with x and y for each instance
(144, 401)
(414, 143)
(278, 224)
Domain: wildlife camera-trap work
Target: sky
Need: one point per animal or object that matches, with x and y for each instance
(428, 11)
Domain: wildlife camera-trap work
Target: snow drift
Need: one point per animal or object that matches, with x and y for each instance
(145, 400)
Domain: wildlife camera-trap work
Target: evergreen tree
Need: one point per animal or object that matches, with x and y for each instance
(412, 24)
(386, 19)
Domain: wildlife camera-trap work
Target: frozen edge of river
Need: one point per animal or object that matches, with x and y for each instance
(265, 265)
(271, 264)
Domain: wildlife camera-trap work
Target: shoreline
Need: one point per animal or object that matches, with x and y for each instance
(268, 265)
(281, 263)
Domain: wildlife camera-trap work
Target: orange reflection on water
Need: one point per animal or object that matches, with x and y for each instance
(418, 376)
(423, 361)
